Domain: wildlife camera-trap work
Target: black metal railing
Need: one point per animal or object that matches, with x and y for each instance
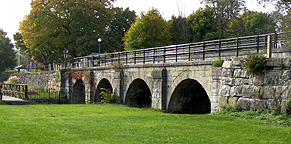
(224, 48)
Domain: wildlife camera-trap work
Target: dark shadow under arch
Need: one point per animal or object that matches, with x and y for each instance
(138, 94)
(189, 97)
(78, 96)
(104, 83)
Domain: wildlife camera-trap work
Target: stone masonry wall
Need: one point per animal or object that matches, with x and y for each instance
(266, 91)
(45, 80)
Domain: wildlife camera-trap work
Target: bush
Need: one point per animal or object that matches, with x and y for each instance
(107, 96)
(217, 63)
(12, 80)
(254, 63)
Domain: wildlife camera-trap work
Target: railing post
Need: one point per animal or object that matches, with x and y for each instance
(219, 47)
(105, 59)
(154, 56)
(258, 42)
(237, 46)
(143, 56)
(134, 57)
(203, 51)
(118, 57)
(176, 53)
(269, 47)
(275, 40)
(189, 50)
(126, 57)
(164, 54)
(25, 92)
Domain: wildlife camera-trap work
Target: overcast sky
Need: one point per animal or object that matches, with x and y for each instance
(13, 11)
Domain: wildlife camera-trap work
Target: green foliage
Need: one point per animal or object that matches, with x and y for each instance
(254, 63)
(107, 96)
(217, 63)
(55, 25)
(180, 33)
(150, 30)
(7, 59)
(203, 25)
(251, 23)
(270, 117)
(225, 10)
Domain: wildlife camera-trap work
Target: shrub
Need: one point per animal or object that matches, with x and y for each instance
(12, 80)
(107, 96)
(217, 63)
(254, 63)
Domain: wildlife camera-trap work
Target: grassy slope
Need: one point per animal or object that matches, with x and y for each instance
(106, 123)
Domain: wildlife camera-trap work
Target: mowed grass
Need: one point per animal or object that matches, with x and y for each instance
(111, 123)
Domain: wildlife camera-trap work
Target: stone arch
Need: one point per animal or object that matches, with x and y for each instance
(189, 96)
(104, 83)
(78, 96)
(138, 94)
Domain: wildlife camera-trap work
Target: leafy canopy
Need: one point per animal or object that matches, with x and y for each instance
(7, 59)
(53, 26)
(150, 30)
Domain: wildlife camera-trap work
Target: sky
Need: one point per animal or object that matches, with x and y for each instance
(12, 12)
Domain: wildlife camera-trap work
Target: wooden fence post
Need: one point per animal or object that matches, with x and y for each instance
(269, 47)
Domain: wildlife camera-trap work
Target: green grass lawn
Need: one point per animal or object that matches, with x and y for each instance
(110, 123)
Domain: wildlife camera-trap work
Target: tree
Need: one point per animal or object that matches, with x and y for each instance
(252, 23)
(113, 36)
(150, 30)
(203, 25)
(53, 26)
(225, 10)
(7, 59)
(179, 30)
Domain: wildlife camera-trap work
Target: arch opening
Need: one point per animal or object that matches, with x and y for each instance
(78, 96)
(138, 94)
(104, 83)
(189, 97)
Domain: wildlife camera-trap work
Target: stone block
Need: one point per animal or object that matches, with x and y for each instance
(227, 64)
(224, 90)
(286, 75)
(238, 81)
(227, 81)
(258, 104)
(157, 74)
(268, 92)
(257, 80)
(281, 92)
(244, 103)
(271, 78)
(227, 73)
(236, 91)
(272, 104)
(247, 103)
(232, 101)
(239, 73)
(223, 101)
(216, 73)
(250, 91)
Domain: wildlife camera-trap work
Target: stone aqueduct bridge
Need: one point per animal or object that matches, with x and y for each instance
(176, 78)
